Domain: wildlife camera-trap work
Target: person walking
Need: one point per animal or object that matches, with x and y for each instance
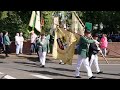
(83, 54)
(21, 43)
(6, 42)
(93, 51)
(42, 49)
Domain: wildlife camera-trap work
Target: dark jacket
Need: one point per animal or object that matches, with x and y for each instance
(93, 50)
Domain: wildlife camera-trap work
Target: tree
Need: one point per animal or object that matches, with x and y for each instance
(14, 21)
(47, 15)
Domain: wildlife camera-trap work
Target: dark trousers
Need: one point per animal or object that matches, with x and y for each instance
(7, 48)
(32, 50)
(1, 48)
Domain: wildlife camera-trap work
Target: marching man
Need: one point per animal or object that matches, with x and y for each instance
(83, 55)
(93, 51)
(42, 49)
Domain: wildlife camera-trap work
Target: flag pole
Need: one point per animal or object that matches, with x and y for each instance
(78, 18)
(40, 20)
(91, 36)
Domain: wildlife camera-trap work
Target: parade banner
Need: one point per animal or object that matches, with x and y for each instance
(77, 27)
(64, 45)
(56, 22)
(35, 21)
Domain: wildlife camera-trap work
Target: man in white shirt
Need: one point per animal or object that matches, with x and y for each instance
(17, 43)
(33, 41)
(21, 42)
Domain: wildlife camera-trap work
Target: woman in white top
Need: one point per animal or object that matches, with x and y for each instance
(17, 43)
(21, 43)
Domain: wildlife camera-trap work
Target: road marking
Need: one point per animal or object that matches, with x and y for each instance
(9, 77)
(41, 76)
(1, 73)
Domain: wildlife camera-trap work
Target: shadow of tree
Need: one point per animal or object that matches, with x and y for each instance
(35, 58)
(28, 64)
(46, 73)
(104, 73)
(2, 56)
(62, 69)
(31, 64)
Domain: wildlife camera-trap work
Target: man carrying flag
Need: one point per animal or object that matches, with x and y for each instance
(83, 55)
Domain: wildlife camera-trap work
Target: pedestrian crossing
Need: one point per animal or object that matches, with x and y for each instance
(5, 76)
(41, 76)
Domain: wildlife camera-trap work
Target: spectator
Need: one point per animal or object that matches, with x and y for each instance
(17, 43)
(104, 44)
(6, 42)
(1, 42)
(33, 41)
(21, 43)
(48, 42)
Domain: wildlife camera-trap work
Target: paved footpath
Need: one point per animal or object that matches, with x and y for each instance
(27, 67)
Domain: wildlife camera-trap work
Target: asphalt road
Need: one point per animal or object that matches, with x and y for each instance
(30, 69)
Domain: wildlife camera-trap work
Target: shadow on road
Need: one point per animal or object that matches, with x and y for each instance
(62, 69)
(32, 64)
(103, 74)
(28, 64)
(46, 73)
(2, 56)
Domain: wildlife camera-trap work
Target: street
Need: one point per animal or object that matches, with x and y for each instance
(26, 68)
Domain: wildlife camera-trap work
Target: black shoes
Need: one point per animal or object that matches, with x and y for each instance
(77, 77)
(61, 63)
(7, 56)
(42, 66)
(100, 72)
(92, 77)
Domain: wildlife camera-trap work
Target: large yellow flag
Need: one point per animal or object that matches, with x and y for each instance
(64, 45)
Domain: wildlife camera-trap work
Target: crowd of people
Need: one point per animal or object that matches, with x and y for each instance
(87, 49)
(39, 45)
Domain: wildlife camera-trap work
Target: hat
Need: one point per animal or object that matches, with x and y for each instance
(87, 31)
(88, 27)
(95, 35)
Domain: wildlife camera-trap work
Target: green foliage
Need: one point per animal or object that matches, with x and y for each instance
(15, 21)
(18, 21)
(47, 15)
(110, 19)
